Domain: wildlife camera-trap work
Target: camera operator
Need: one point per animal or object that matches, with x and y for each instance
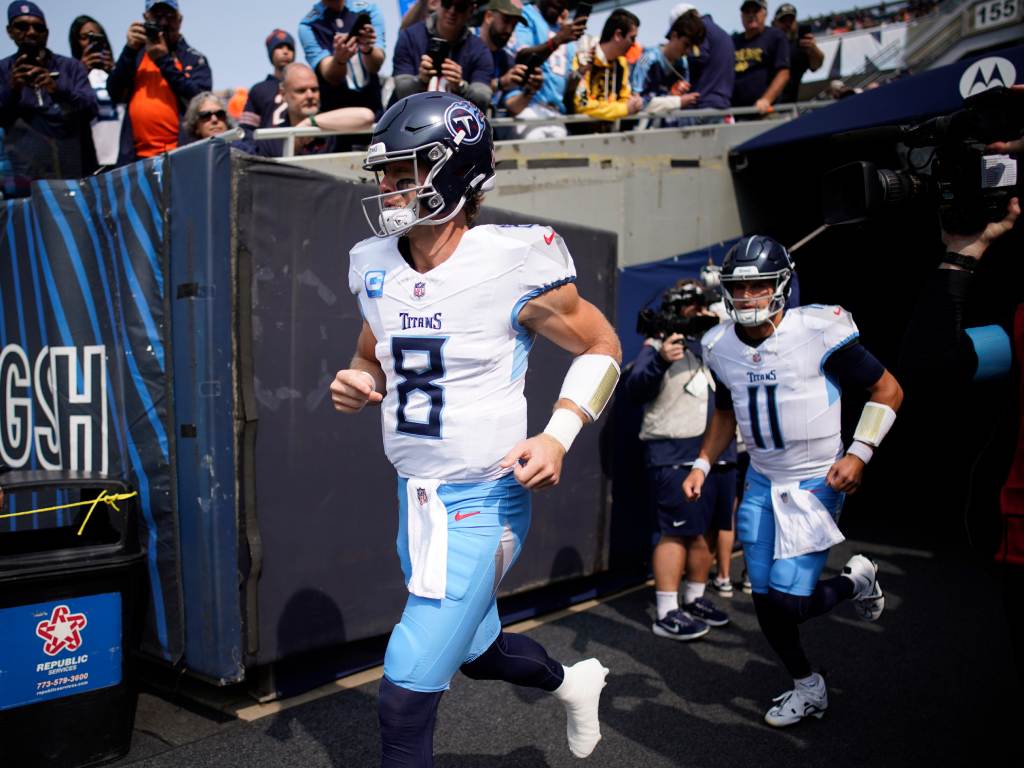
(156, 75)
(967, 332)
(46, 103)
(670, 379)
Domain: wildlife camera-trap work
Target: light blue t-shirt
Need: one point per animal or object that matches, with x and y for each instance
(536, 32)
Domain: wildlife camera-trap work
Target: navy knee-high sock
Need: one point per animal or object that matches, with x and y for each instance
(406, 726)
(516, 659)
(780, 616)
(782, 632)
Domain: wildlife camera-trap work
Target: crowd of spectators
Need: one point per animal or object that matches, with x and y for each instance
(868, 18)
(71, 116)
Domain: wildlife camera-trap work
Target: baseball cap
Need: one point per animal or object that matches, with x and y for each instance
(679, 10)
(276, 39)
(508, 7)
(786, 9)
(23, 8)
(762, 3)
(172, 3)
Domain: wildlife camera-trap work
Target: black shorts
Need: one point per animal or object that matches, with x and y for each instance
(678, 517)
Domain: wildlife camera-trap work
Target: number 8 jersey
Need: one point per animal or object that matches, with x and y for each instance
(451, 346)
(787, 409)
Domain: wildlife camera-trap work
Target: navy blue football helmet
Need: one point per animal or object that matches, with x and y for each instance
(756, 258)
(443, 133)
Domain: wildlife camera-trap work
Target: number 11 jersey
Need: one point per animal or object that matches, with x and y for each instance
(451, 346)
(787, 409)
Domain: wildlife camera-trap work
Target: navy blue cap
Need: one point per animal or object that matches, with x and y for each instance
(276, 39)
(23, 8)
(172, 3)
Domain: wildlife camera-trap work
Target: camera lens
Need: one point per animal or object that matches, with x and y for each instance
(899, 186)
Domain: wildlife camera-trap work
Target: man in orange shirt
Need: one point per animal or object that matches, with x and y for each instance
(156, 75)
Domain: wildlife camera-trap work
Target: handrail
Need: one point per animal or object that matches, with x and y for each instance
(790, 111)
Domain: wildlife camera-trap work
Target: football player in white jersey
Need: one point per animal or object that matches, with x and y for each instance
(449, 315)
(778, 375)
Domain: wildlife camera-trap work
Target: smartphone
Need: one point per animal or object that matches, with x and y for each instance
(803, 29)
(30, 51)
(361, 21)
(438, 51)
(97, 43)
(532, 64)
(583, 9)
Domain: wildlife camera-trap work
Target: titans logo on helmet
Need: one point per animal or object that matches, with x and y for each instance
(465, 118)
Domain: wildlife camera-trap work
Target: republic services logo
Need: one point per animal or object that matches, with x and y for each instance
(990, 72)
(62, 631)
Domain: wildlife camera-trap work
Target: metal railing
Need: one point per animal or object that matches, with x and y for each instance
(780, 111)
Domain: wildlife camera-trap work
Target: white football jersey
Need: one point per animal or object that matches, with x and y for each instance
(451, 346)
(787, 410)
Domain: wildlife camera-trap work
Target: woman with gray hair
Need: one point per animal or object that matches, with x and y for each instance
(206, 116)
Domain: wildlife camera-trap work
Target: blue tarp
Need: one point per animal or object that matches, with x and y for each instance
(930, 93)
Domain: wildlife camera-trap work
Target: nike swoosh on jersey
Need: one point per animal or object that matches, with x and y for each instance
(462, 516)
(676, 525)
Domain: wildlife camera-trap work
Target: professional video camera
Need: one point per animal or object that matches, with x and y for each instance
(666, 320)
(968, 187)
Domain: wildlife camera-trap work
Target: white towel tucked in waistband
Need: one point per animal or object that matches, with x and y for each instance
(427, 524)
(802, 523)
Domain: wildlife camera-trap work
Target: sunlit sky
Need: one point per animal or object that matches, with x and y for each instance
(231, 32)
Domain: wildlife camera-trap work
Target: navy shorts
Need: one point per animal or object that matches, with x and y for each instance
(679, 517)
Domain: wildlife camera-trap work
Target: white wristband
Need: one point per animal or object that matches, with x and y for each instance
(373, 380)
(703, 466)
(862, 451)
(564, 425)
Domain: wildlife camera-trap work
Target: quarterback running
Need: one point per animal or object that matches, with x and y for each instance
(450, 313)
(778, 374)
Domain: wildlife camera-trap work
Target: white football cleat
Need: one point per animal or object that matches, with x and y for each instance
(580, 692)
(793, 706)
(868, 598)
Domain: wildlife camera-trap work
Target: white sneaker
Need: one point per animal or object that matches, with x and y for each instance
(868, 599)
(580, 692)
(793, 706)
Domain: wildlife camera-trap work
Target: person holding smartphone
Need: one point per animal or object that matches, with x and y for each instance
(91, 46)
(344, 43)
(515, 80)
(46, 103)
(442, 54)
(551, 33)
(804, 53)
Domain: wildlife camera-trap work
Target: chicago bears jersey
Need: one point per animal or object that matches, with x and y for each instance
(452, 348)
(787, 409)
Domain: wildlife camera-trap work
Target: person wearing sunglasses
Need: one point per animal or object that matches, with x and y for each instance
(157, 74)
(206, 116)
(442, 54)
(46, 103)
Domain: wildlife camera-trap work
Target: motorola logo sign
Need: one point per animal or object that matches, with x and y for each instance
(990, 72)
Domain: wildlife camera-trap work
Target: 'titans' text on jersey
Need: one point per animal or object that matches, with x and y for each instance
(787, 409)
(451, 346)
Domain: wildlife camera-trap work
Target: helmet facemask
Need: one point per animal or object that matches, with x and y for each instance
(427, 205)
(751, 316)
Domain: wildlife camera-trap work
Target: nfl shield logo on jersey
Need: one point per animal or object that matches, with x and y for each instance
(419, 290)
(421, 496)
